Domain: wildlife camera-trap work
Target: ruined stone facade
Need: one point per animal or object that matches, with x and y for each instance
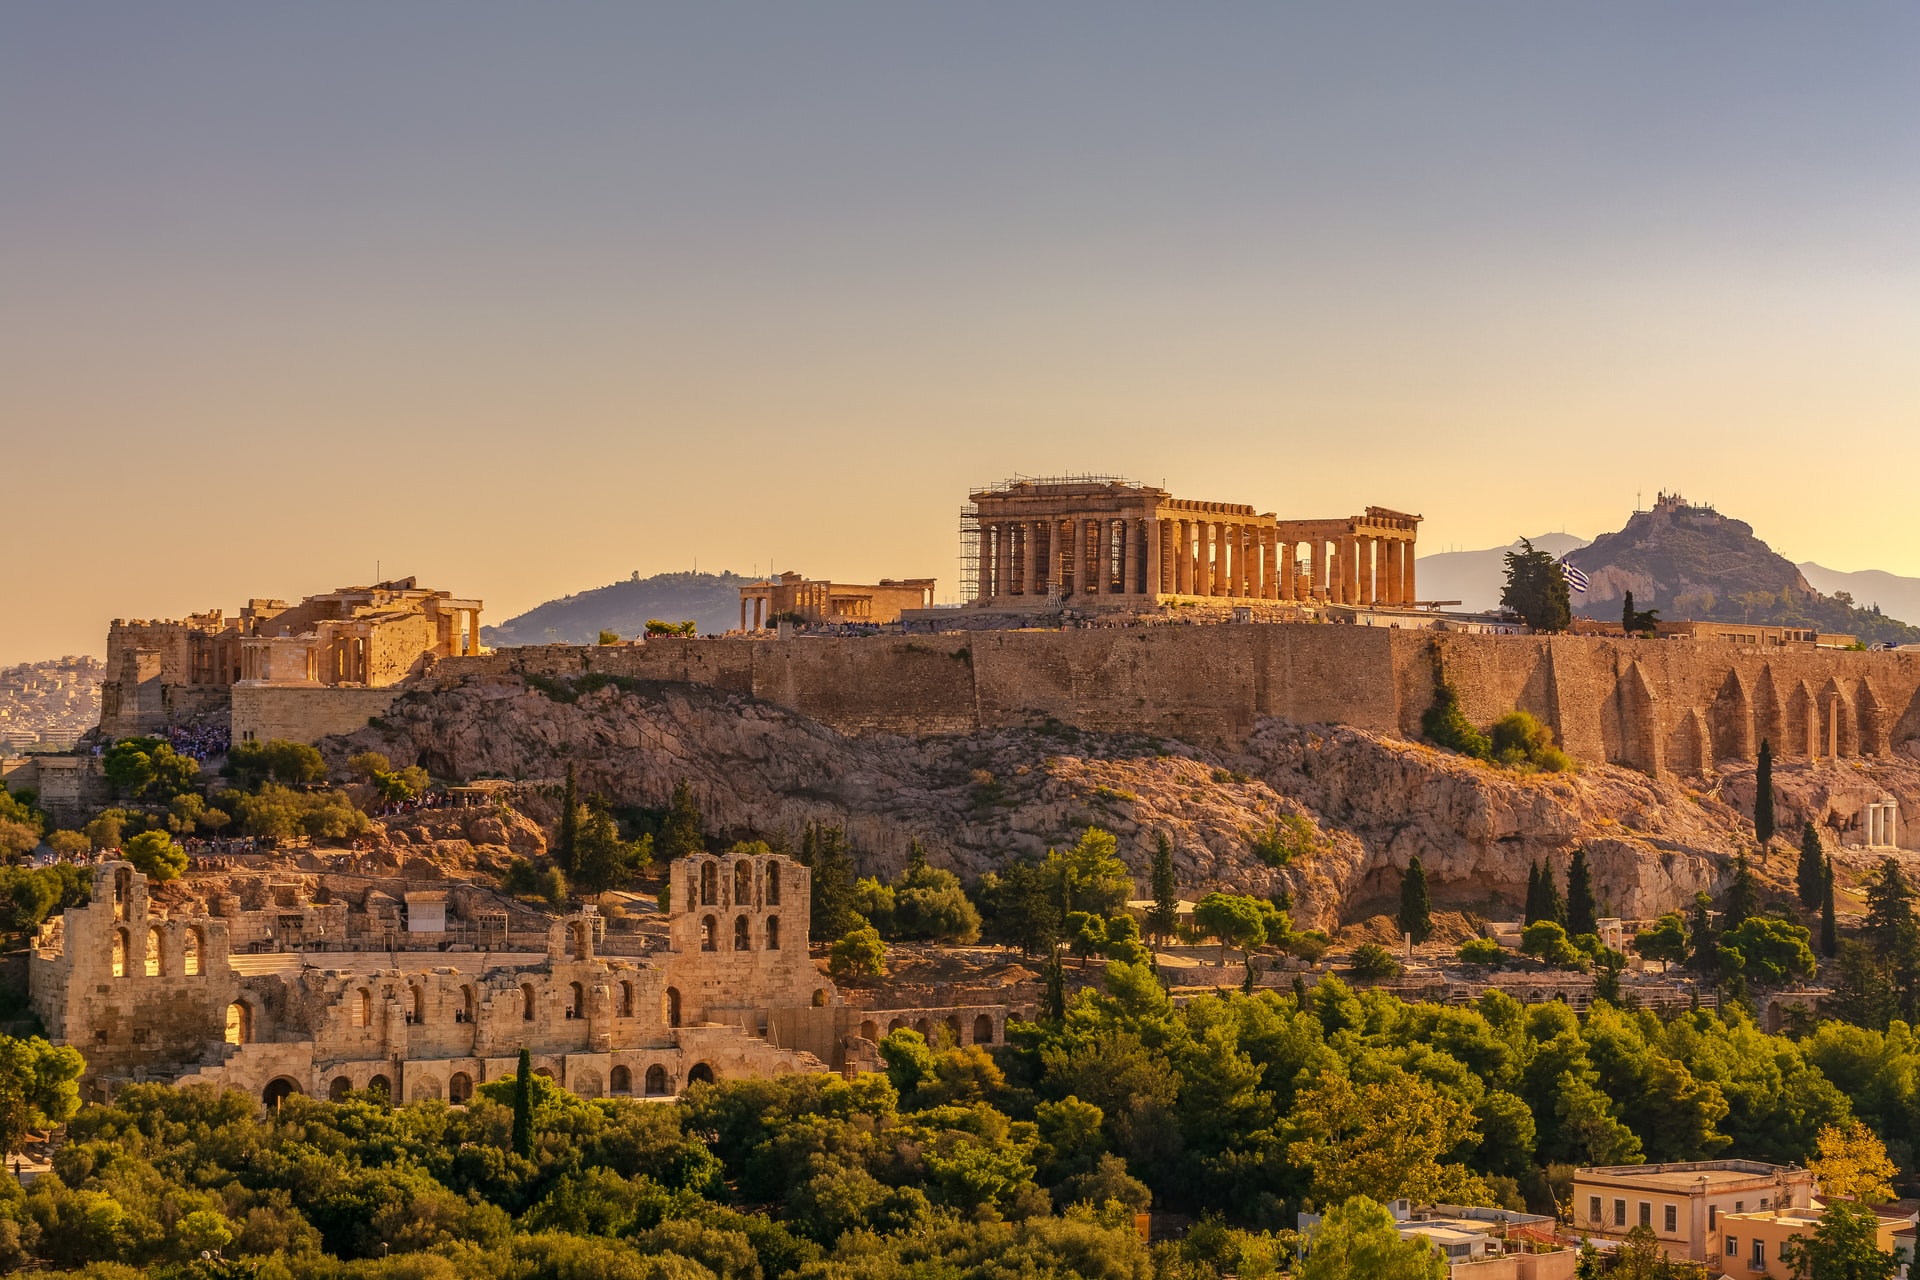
(792, 595)
(733, 993)
(164, 673)
(1030, 545)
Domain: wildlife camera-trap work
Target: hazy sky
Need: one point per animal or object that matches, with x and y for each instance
(522, 298)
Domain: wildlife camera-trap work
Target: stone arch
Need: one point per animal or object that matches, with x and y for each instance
(121, 946)
(1690, 748)
(1843, 733)
(620, 1080)
(416, 1005)
(463, 1012)
(1872, 717)
(626, 999)
(742, 934)
(700, 1073)
(1803, 722)
(673, 1006)
(898, 1024)
(773, 933)
(709, 931)
(656, 1081)
(709, 883)
(459, 1088)
(239, 1023)
(544, 1071)
(576, 1000)
(1733, 719)
(363, 1008)
(193, 952)
(983, 1029)
(1641, 743)
(122, 891)
(869, 1031)
(380, 1087)
(953, 1027)
(156, 952)
(743, 881)
(924, 1027)
(773, 883)
(339, 1088)
(819, 1000)
(526, 1002)
(278, 1090)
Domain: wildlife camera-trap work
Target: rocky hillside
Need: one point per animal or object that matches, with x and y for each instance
(1342, 810)
(1693, 562)
(710, 600)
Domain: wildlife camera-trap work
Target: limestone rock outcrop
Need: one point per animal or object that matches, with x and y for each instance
(1349, 807)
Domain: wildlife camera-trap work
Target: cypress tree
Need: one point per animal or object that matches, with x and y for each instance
(1763, 795)
(1811, 878)
(1582, 911)
(1706, 956)
(680, 833)
(1743, 895)
(1627, 620)
(1829, 935)
(1056, 987)
(1165, 916)
(566, 845)
(1416, 908)
(1552, 906)
(1532, 913)
(523, 1107)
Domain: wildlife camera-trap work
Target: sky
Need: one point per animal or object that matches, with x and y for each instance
(523, 299)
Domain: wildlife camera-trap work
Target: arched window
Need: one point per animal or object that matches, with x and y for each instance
(119, 953)
(896, 1025)
(701, 1074)
(773, 884)
(380, 1087)
(656, 1081)
(192, 962)
(920, 1025)
(155, 965)
(983, 1030)
(526, 1002)
(773, 933)
(708, 928)
(460, 1088)
(626, 999)
(582, 940)
(709, 883)
(673, 1006)
(620, 1080)
(122, 890)
(742, 882)
(416, 1005)
(363, 1008)
(742, 935)
(278, 1091)
(339, 1089)
(868, 1031)
(952, 1035)
(576, 1001)
(463, 1012)
(239, 1023)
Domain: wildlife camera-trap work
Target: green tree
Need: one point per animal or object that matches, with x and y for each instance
(1845, 1246)
(1811, 875)
(1547, 940)
(609, 637)
(148, 769)
(1233, 919)
(1388, 1138)
(823, 850)
(523, 1107)
(1536, 589)
(566, 840)
(601, 859)
(1416, 908)
(1638, 622)
(1056, 1000)
(1582, 911)
(1358, 1240)
(1372, 962)
(1743, 896)
(1861, 993)
(1444, 724)
(1700, 935)
(39, 1087)
(858, 954)
(155, 856)
(1768, 951)
(1763, 795)
(1020, 910)
(1532, 913)
(1829, 928)
(1164, 917)
(930, 906)
(1090, 876)
(1890, 930)
(1665, 942)
(680, 833)
(1482, 951)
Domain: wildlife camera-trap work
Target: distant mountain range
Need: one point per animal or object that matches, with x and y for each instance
(1893, 595)
(710, 600)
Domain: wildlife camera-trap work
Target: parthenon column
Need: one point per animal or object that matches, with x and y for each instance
(1394, 577)
(1364, 559)
(1152, 531)
(1003, 576)
(1352, 552)
(1029, 561)
(1237, 584)
(1316, 575)
(1129, 557)
(1219, 531)
(1095, 559)
(1230, 558)
(743, 613)
(1406, 570)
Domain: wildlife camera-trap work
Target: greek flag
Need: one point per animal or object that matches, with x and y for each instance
(1576, 580)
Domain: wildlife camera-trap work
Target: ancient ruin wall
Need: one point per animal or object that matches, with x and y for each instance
(304, 713)
(1655, 705)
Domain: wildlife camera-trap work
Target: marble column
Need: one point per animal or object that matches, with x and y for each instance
(1394, 580)
(1218, 531)
(1368, 548)
(1053, 556)
(1285, 550)
(1096, 564)
(743, 618)
(1151, 531)
(1406, 572)
(1351, 550)
(1129, 557)
(1316, 572)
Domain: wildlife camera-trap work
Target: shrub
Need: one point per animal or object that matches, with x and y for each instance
(1482, 951)
(156, 856)
(1292, 836)
(1547, 940)
(859, 954)
(1519, 741)
(1372, 961)
(1445, 725)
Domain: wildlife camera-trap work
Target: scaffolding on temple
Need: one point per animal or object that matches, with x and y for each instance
(970, 534)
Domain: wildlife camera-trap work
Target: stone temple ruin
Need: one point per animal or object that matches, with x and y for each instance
(729, 990)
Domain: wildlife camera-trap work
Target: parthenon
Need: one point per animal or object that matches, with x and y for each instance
(1032, 544)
